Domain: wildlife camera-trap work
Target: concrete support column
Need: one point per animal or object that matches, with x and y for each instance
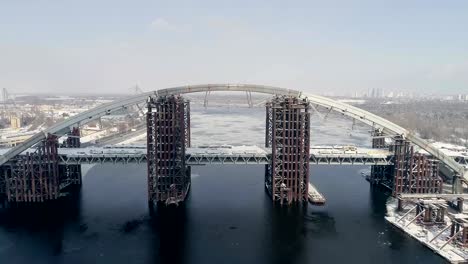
(400, 205)
(427, 215)
(460, 205)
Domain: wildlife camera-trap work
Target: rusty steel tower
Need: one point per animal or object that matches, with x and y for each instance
(168, 136)
(288, 136)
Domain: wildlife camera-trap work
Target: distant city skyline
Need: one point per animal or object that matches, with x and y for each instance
(338, 47)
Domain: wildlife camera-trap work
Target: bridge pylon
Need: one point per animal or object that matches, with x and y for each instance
(288, 136)
(168, 136)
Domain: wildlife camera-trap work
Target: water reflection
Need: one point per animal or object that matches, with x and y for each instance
(34, 233)
(288, 233)
(169, 232)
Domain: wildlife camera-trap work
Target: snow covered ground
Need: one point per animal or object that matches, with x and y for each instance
(425, 234)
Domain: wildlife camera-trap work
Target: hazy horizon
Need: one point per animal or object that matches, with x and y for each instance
(338, 47)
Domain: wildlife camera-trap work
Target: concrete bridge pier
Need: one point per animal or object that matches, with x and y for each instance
(168, 136)
(288, 136)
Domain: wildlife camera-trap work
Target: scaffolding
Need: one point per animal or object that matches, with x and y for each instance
(378, 139)
(288, 135)
(414, 172)
(380, 175)
(73, 138)
(168, 136)
(34, 177)
(71, 174)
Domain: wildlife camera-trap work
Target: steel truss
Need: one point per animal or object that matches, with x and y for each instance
(288, 135)
(345, 109)
(168, 136)
(212, 158)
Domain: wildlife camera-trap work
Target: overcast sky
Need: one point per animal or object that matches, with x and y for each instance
(318, 46)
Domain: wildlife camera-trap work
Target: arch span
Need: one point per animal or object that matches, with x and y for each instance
(346, 109)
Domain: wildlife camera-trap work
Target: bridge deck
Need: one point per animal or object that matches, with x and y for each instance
(222, 154)
(406, 196)
(226, 154)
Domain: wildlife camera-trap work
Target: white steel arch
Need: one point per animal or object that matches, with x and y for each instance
(346, 109)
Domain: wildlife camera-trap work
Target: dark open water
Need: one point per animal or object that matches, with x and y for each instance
(228, 218)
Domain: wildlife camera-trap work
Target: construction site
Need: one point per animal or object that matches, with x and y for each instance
(287, 134)
(418, 205)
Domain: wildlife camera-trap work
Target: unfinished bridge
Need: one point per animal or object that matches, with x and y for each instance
(39, 168)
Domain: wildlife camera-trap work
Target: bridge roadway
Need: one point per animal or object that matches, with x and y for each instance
(221, 154)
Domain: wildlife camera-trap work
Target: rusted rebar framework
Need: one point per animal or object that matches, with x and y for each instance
(168, 136)
(414, 172)
(288, 135)
(34, 177)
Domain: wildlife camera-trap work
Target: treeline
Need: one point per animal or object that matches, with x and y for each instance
(438, 120)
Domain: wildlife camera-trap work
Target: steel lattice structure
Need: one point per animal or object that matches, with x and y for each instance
(70, 174)
(167, 139)
(387, 127)
(382, 175)
(215, 158)
(288, 134)
(414, 172)
(34, 177)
